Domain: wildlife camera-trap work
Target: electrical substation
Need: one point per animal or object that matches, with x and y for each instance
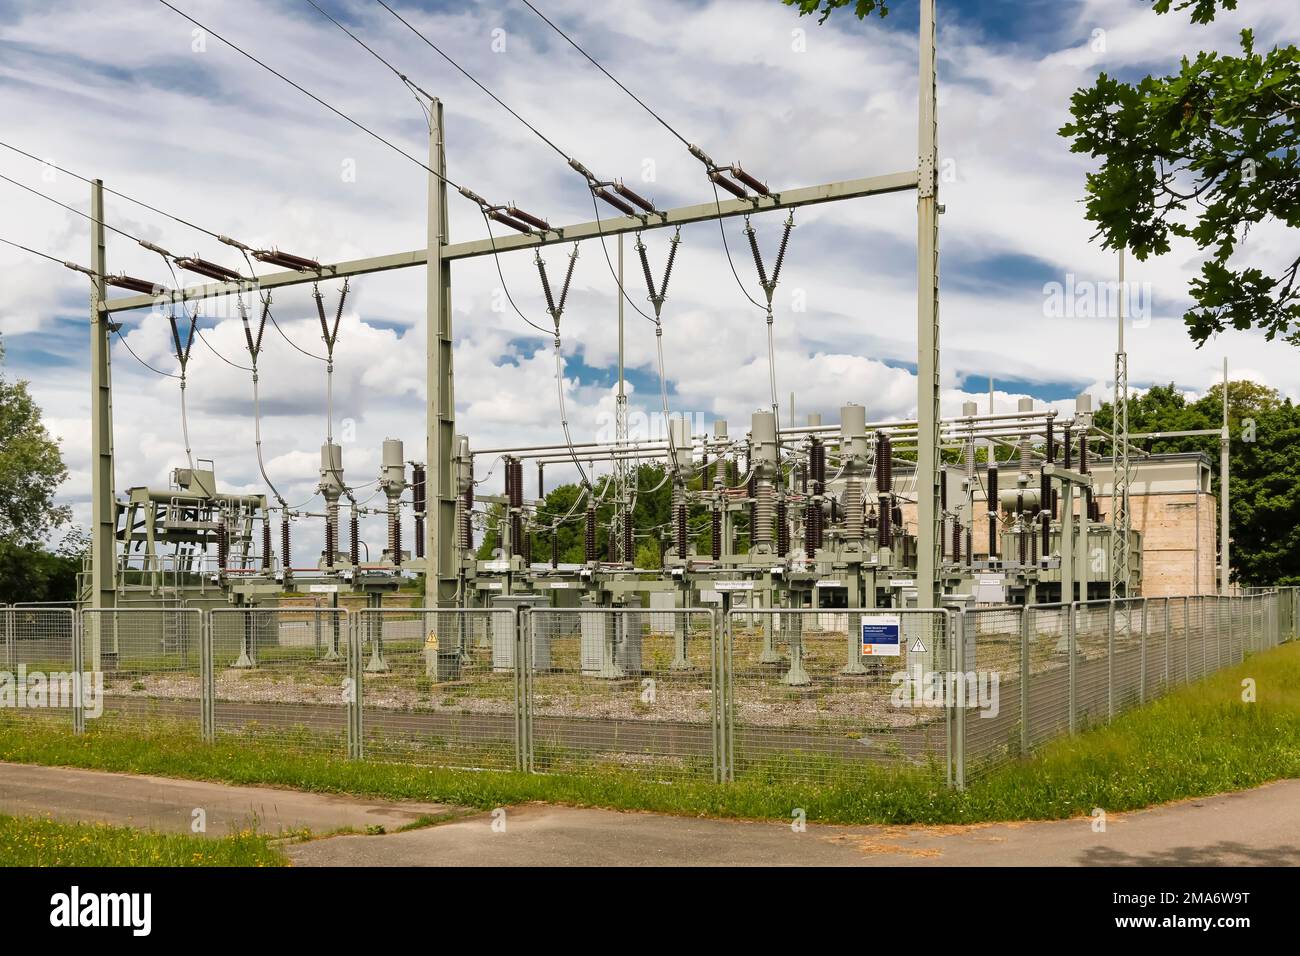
(1030, 543)
(979, 508)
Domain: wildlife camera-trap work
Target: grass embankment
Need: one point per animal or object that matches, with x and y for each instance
(1196, 741)
(36, 842)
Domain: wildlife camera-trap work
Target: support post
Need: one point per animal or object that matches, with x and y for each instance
(927, 319)
(104, 523)
(1224, 477)
(441, 573)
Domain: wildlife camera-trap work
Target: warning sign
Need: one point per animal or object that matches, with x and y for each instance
(881, 635)
(431, 642)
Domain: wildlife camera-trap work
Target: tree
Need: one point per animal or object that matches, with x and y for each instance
(1203, 154)
(31, 470)
(861, 8)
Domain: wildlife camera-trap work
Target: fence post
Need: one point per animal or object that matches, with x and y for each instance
(728, 690)
(207, 682)
(1024, 679)
(520, 675)
(959, 722)
(78, 675)
(356, 698)
(715, 698)
(1070, 638)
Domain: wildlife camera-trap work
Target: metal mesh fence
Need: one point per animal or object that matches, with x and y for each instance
(1091, 662)
(151, 660)
(805, 702)
(763, 694)
(1048, 643)
(282, 674)
(1179, 615)
(1155, 648)
(440, 687)
(40, 658)
(992, 673)
(625, 689)
(1127, 628)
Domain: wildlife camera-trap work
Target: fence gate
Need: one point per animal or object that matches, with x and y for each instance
(283, 673)
(440, 686)
(803, 701)
(628, 688)
(152, 666)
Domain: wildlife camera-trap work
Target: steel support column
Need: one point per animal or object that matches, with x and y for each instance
(440, 570)
(927, 317)
(103, 520)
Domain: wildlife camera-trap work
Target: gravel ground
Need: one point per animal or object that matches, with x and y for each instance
(842, 704)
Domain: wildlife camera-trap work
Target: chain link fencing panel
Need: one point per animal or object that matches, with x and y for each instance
(151, 660)
(1155, 648)
(283, 675)
(623, 689)
(1092, 675)
(42, 664)
(804, 702)
(991, 682)
(1179, 616)
(440, 687)
(1049, 642)
(1128, 627)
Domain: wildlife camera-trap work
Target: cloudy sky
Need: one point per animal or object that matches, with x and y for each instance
(128, 93)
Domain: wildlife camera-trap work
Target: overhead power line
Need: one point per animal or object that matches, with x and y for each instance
(597, 65)
(72, 209)
(365, 46)
(35, 252)
(114, 192)
(469, 76)
(313, 96)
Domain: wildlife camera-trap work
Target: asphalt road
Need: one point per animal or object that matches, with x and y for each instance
(1251, 828)
(168, 805)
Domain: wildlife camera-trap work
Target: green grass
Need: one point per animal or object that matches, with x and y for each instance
(38, 842)
(1196, 741)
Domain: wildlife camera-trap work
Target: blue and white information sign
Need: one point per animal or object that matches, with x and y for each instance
(881, 635)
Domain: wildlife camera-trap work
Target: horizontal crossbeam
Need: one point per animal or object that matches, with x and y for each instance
(787, 199)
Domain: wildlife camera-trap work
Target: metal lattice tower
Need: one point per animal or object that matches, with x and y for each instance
(1120, 519)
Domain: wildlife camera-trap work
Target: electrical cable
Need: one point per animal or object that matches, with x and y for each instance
(504, 286)
(35, 252)
(314, 97)
(396, 72)
(538, 133)
(203, 339)
(122, 338)
(661, 120)
(113, 192)
(72, 209)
